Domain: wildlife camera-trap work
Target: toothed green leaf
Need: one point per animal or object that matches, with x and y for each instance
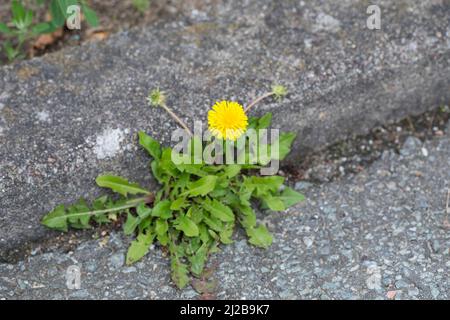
(162, 210)
(90, 16)
(56, 219)
(195, 210)
(260, 236)
(232, 170)
(202, 187)
(274, 203)
(265, 121)
(186, 225)
(80, 215)
(180, 270)
(5, 29)
(285, 143)
(178, 204)
(139, 247)
(131, 224)
(291, 197)
(151, 145)
(218, 210)
(120, 185)
(161, 227)
(198, 260)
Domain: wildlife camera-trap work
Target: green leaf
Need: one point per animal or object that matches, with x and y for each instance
(225, 235)
(157, 171)
(260, 236)
(99, 204)
(56, 219)
(182, 181)
(43, 27)
(120, 185)
(218, 210)
(213, 168)
(151, 145)
(179, 185)
(214, 234)
(166, 164)
(79, 214)
(265, 121)
(163, 239)
(222, 183)
(144, 224)
(247, 217)
(285, 143)
(263, 185)
(201, 187)
(274, 203)
(214, 223)
(161, 227)
(131, 224)
(5, 29)
(199, 259)
(232, 170)
(195, 169)
(11, 52)
(58, 12)
(186, 225)
(139, 247)
(264, 154)
(179, 272)
(291, 197)
(219, 192)
(18, 11)
(28, 18)
(76, 221)
(260, 123)
(178, 204)
(143, 211)
(162, 210)
(193, 154)
(90, 15)
(253, 122)
(196, 214)
(203, 233)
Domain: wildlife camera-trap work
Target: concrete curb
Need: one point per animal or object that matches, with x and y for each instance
(71, 115)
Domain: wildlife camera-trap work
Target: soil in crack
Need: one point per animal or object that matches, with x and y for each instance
(356, 153)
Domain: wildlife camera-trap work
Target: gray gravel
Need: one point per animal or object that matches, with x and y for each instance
(381, 234)
(69, 116)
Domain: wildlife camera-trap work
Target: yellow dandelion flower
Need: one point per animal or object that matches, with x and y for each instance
(227, 120)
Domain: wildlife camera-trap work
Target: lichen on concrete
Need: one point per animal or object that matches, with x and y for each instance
(108, 143)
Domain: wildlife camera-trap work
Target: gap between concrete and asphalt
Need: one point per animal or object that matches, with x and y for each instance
(69, 116)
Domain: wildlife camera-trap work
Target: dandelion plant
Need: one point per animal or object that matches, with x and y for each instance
(199, 203)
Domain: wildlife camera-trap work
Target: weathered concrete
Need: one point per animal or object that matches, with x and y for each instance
(71, 115)
(380, 234)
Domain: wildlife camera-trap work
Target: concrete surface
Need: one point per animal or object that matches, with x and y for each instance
(381, 234)
(71, 115)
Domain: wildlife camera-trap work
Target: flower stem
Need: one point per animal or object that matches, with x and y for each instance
(177, 119)
(259, 99)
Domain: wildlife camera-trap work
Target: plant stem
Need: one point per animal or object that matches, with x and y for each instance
(257, 100)
(177, 119)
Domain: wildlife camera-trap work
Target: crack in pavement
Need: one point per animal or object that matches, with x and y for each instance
(379, 234)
